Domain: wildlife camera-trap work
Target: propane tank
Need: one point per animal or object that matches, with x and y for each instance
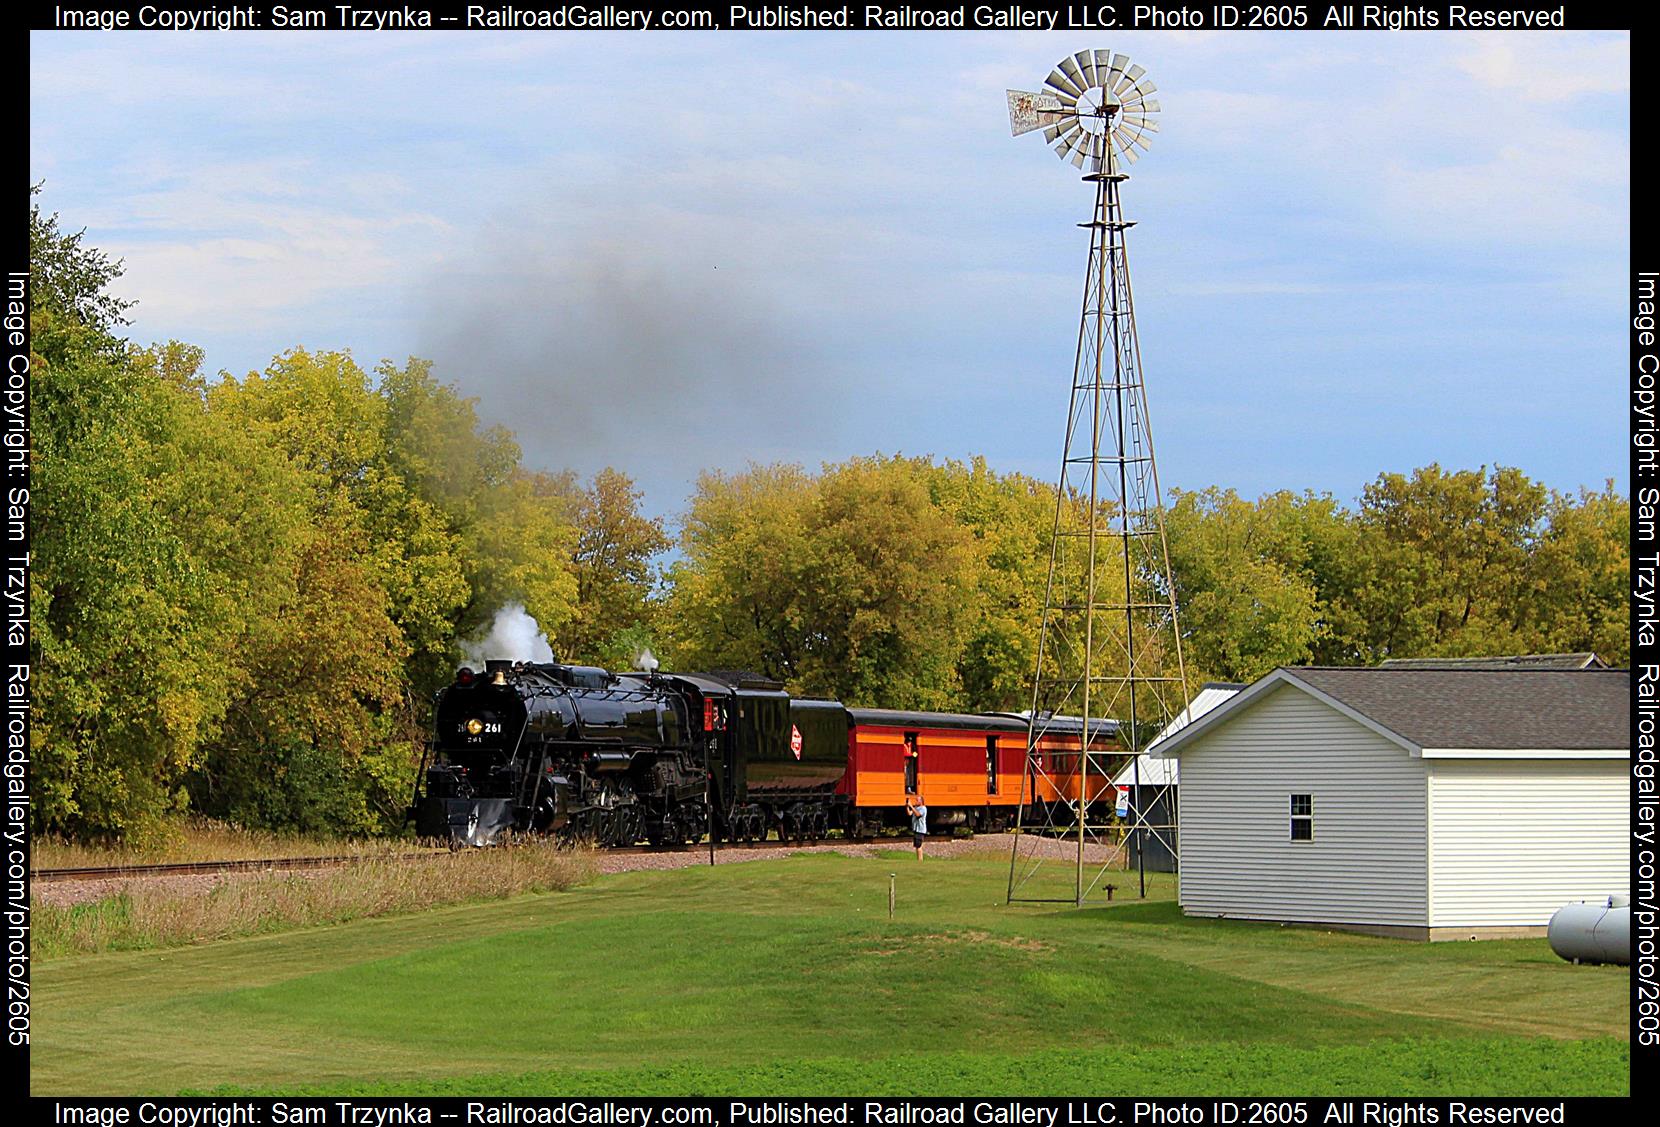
(1593, 931)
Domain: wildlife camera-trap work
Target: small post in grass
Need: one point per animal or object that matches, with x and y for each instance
(891, 878)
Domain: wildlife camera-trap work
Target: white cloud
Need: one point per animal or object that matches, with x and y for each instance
(860, 197)
(1545, 69)
(256, 239)
(1566, 187)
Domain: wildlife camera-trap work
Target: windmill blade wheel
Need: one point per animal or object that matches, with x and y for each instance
(1096, 111)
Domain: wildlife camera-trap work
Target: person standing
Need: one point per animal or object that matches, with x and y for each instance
(918, 811)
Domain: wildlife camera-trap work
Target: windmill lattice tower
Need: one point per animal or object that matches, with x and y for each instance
(1109, 650)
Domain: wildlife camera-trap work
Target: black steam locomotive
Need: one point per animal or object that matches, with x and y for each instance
(611, 758)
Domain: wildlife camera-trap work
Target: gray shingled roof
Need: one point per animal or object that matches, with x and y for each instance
(1582, 709)
(1519, 661)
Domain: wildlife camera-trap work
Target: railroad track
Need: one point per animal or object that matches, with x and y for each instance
(272, 864)
(747, 846)
(188, 868)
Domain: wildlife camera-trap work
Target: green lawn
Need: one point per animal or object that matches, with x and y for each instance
(787, 977)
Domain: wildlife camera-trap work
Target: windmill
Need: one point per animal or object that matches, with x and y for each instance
(1109, 659)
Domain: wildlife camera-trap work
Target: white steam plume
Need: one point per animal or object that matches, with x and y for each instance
(514, 635)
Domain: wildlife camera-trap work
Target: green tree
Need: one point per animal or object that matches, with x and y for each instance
(322, 411)
(854, 584)
(615, 545)
(419, 524)
(1579, 578)
(510, 530)
(321, 739)
(1448, 558)
(1246, 604)
(311, 733)
(1331, 557)
(522, 546)
(121, 643)
(1009, 518)
(435, 442)
(733, 601)
(72, 306)
(887, 588)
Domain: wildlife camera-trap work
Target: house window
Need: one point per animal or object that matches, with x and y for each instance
(991, 764)
(1302, 817)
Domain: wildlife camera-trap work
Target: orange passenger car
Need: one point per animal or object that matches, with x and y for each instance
(851, 769)
(966, 767)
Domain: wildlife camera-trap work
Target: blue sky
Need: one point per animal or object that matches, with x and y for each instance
(1355, 252)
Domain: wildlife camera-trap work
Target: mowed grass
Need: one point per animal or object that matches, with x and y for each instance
(788, 978)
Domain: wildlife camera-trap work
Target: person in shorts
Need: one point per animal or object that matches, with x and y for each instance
(918, 810)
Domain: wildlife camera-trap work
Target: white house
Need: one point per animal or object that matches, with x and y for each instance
(1432, 803)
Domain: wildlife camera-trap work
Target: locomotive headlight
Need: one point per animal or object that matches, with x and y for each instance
(475, 726)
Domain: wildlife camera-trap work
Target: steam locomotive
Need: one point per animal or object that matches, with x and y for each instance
(615, 758)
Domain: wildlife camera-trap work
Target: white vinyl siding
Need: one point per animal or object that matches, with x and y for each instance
(1511, 841)
(1367, 862)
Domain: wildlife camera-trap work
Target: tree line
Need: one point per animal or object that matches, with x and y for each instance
(246, 589)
